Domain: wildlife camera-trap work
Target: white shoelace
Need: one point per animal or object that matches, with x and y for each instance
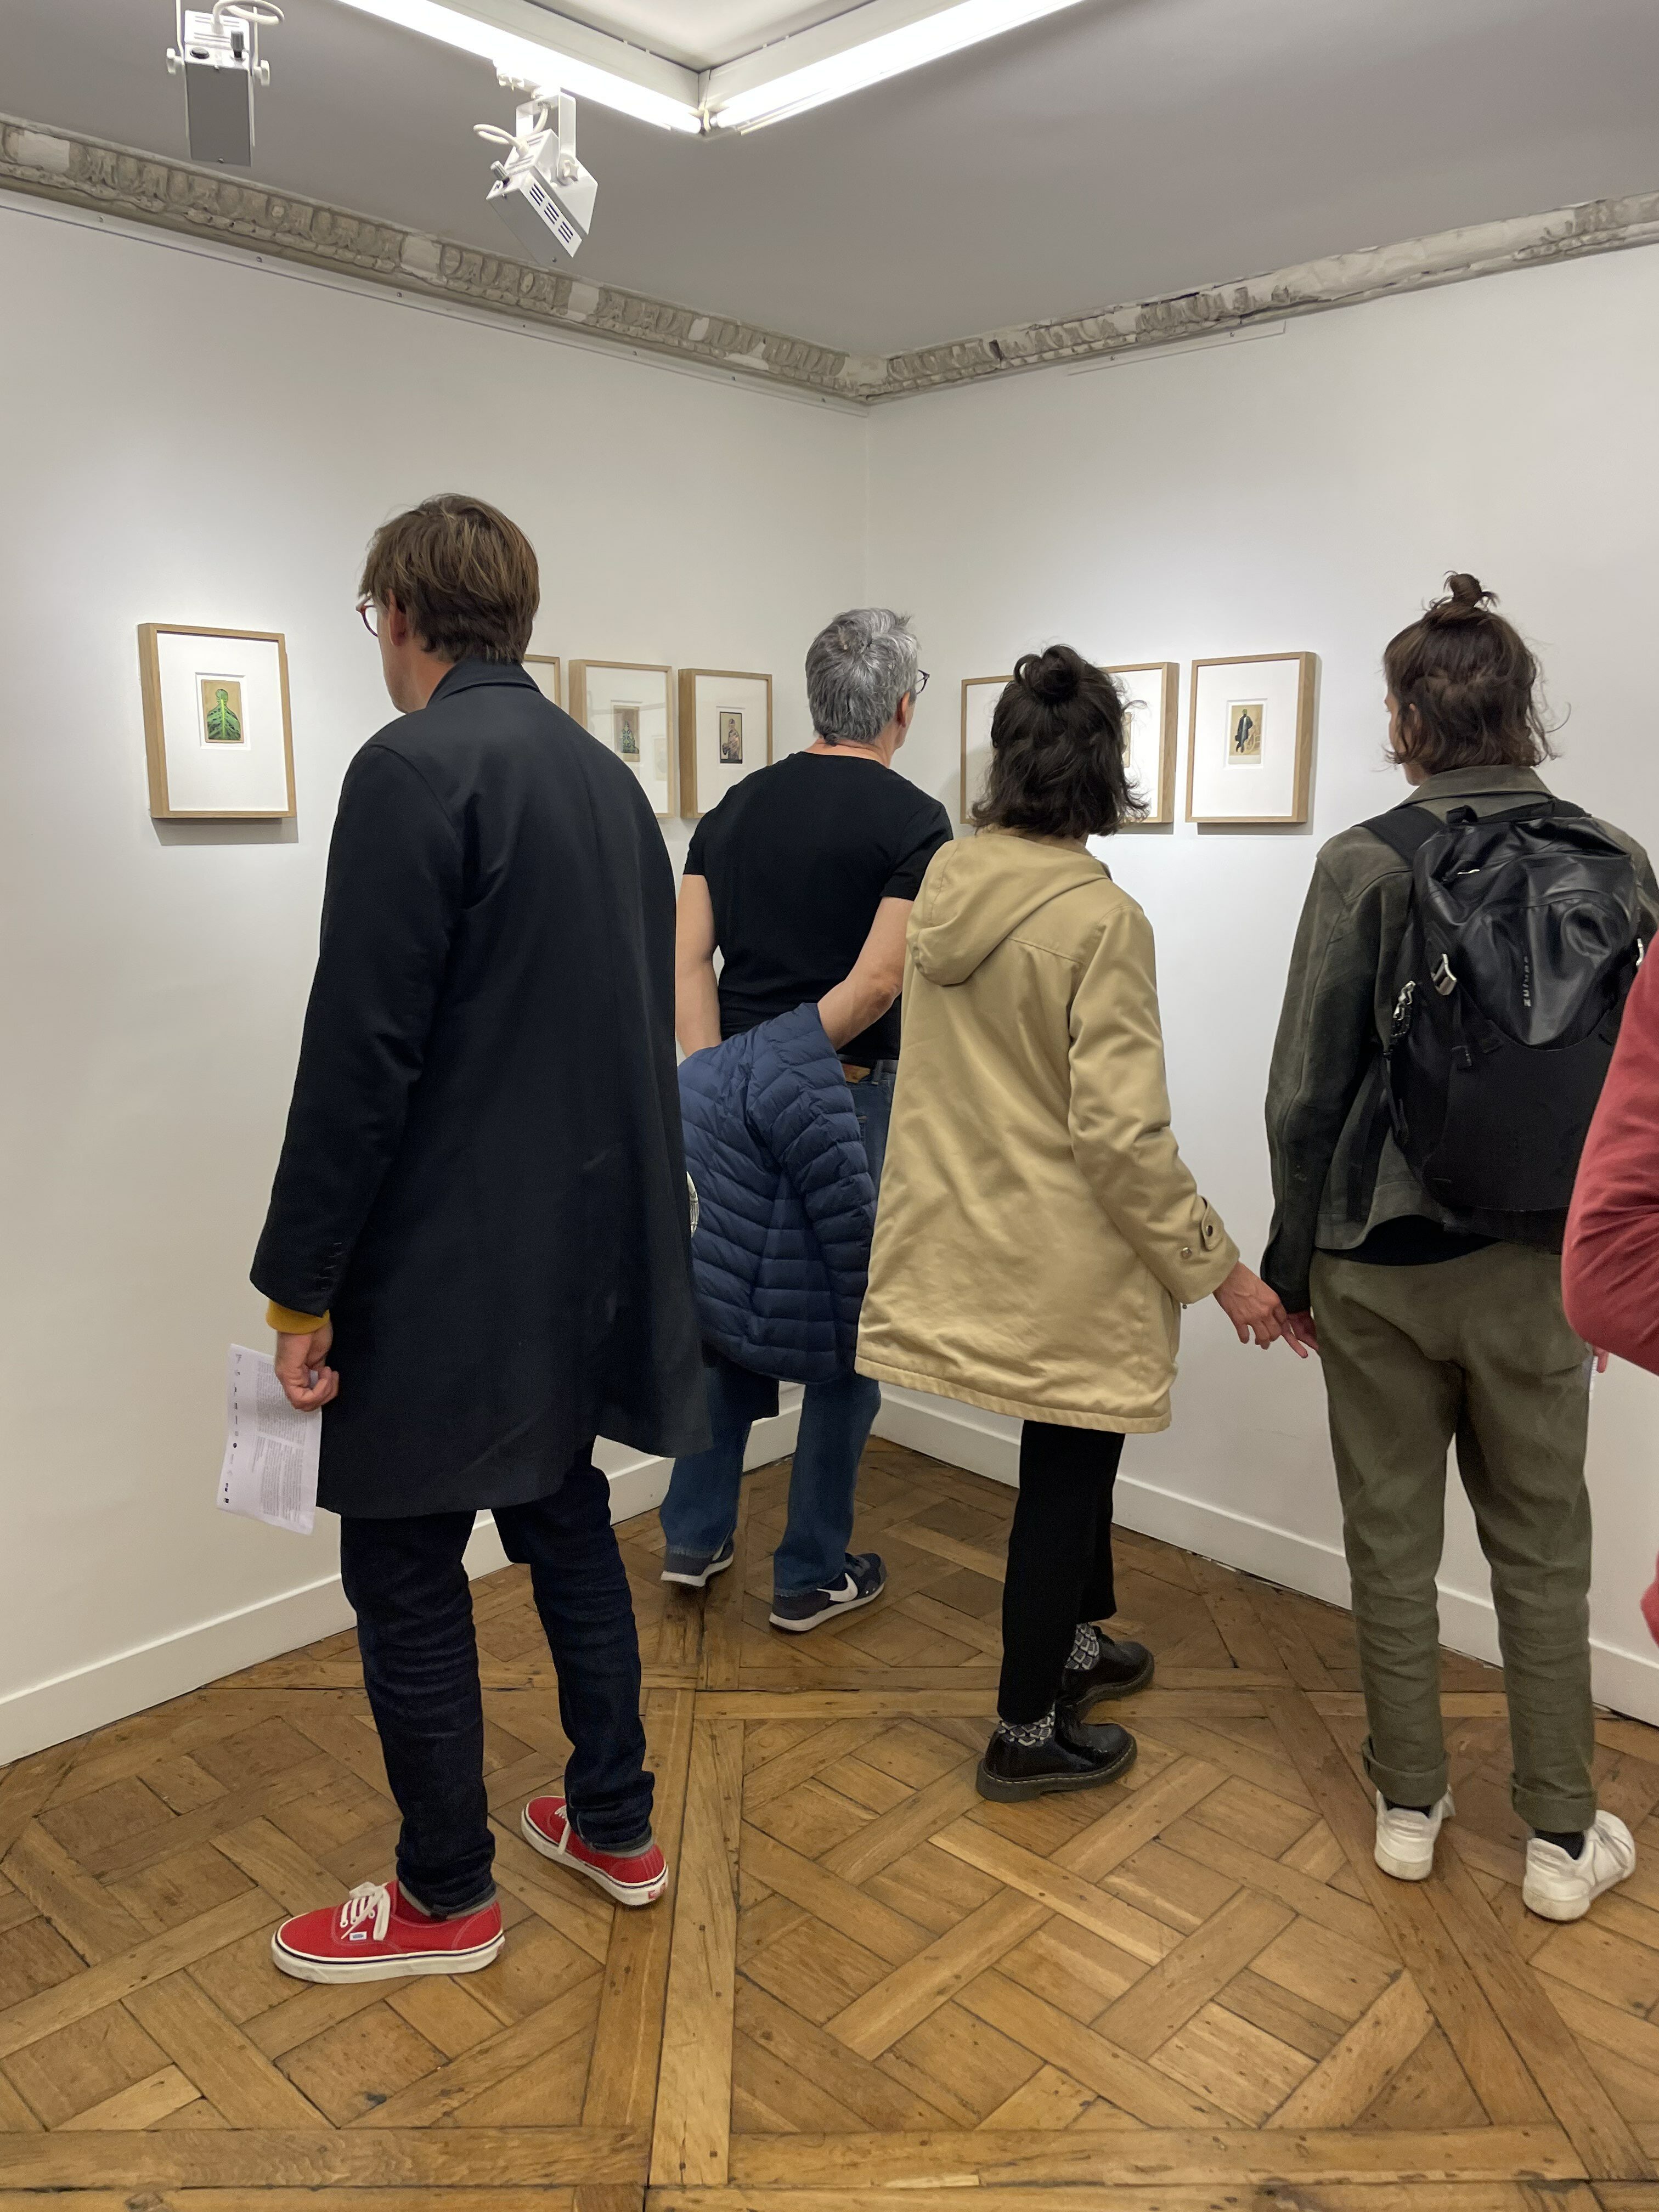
(370, 1901)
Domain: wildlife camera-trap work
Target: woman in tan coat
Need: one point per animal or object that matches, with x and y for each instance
(1038, 1231)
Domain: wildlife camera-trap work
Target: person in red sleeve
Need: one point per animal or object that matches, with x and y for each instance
(1610, 1268)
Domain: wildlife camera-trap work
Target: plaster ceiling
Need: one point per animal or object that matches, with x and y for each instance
(1120, 150)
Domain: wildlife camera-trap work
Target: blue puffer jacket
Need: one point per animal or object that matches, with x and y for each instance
(785, 1204)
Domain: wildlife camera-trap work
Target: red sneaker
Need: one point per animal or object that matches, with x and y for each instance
(639, 1878)
(377, 1934)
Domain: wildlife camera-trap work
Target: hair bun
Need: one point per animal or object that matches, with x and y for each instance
(1055, 676)
(1467, 600)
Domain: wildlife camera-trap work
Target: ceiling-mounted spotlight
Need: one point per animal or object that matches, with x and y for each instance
(542, 193)
(218, 55)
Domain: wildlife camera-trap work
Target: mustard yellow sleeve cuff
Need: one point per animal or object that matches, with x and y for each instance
(287, 1322)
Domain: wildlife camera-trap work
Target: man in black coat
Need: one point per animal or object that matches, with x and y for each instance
(478, 1252)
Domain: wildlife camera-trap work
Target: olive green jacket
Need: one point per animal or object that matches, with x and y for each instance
(1337, 1171)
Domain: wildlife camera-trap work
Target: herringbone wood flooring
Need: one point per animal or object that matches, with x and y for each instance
(1191, 1992)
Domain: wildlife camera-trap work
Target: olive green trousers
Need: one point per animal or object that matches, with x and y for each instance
(1475, 1351)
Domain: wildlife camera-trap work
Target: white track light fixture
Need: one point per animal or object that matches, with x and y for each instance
(542, 193)
(218, 57)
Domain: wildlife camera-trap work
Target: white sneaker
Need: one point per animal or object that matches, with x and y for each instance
(1405, 1840)
(1560, 1887)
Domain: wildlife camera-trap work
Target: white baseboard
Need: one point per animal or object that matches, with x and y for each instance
(111, 1689)
(984, 1444)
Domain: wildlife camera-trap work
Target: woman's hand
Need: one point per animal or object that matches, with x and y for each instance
(1255, 1311)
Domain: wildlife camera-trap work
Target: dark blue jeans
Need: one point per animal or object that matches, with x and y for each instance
(701, 1509)
(406, 1582)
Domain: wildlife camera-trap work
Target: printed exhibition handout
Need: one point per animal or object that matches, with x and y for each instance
(271, 1450)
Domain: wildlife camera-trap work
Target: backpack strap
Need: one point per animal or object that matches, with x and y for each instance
(1406, 830)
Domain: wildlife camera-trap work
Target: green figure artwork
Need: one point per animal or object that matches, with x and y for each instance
(224, 724)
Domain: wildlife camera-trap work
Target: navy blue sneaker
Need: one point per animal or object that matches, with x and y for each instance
(691, 1569)
(862, 1584)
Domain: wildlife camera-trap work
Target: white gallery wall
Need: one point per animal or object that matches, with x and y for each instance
(194, 435)
(191, 435)
(1303, 491)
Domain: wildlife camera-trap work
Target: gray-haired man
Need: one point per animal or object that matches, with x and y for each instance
(803, 879)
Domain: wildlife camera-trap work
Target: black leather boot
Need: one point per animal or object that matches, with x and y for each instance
(1119, 1672)
(1075, 1756)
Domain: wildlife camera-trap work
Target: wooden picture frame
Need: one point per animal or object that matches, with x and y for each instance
(1152, 737)
(593, 702)
(190, 779)
(546, 668)
(1251, 718)
(717, 776)
(976, 712)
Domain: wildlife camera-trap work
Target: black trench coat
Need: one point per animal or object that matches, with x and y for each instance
(482, 1178)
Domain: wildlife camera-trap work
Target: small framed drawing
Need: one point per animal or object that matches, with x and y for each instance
(726, 733)
(544, 667)
(217, 732)
(629, 705)
(979, 695)
(1250, 748)
(1152, 690)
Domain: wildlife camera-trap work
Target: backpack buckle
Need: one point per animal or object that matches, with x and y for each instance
(1442, 977)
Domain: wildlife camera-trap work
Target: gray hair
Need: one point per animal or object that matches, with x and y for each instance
(858, 669)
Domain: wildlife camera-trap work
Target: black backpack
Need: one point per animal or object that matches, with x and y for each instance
(1522, 946)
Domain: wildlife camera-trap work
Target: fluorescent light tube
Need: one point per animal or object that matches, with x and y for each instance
(509, 35)
(735, 101)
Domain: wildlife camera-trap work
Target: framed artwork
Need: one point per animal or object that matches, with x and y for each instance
(628, 706)
(726, 733)
(1249, 744)
(979, 695)
(218, 738)
(1152, 689)
(544, 667)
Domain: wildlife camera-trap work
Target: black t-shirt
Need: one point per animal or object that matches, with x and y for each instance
(797, 859)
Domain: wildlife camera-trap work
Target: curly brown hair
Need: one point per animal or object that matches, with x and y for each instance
(1466, 685)
(1057, 767)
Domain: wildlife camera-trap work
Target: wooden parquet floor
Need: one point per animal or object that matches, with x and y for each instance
(1190, 1992)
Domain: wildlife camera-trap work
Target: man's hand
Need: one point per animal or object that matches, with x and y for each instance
(302, 1367)
(1255, 1311)
(1303, 1330)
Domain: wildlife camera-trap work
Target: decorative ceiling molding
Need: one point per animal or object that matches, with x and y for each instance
(149, 188)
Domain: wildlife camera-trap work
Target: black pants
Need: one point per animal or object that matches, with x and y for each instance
(1059, 1560)
(406, 1582)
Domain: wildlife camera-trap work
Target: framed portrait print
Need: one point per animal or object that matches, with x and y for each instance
(1249, 746)
(726, 733)
(629, 705)
(218, 738)
(979, 695)
(544, 667)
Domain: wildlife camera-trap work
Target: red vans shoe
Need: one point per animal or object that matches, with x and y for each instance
(638, 1878)
(376, 1936)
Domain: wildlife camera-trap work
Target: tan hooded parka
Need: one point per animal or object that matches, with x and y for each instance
(1038, 1231)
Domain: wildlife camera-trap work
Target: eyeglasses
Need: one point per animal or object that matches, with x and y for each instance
(919, 686)
(371, 615)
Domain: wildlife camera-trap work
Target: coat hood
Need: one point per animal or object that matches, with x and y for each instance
(979, 891)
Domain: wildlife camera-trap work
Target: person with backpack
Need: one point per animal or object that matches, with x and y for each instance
(1454, 996)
